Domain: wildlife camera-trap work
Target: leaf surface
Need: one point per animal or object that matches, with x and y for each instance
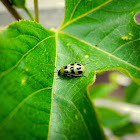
(45, 106)
(109, 28)
(35, 106)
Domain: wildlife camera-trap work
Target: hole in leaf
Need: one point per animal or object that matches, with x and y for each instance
(137, 18)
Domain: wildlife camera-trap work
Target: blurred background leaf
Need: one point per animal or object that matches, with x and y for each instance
(18, 3)
(132, 94)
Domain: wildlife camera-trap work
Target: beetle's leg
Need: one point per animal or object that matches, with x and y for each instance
(68, 75)
(84, 75)
(74, 78)
(49, 74)
(85, 64)
(58, 78)
(71, 76)
(78, 62)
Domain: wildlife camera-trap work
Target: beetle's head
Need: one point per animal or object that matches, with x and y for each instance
(59, 72)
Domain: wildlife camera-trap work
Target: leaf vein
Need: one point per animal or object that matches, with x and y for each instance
(124, 45)
(10, 69)
(19, 106)
(97, 48)
(74, 9)
(83, 15)
(78, 112)
(108, 34)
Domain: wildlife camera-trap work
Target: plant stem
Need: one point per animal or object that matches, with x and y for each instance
(29, 13)
(36, 10)
(11, 9)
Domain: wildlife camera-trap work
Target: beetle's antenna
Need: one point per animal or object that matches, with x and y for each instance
(85, 64)
(52, 72)
(81, 63)
(54, 65)
(49, 74)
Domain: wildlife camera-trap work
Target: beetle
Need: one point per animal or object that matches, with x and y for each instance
(71, 70)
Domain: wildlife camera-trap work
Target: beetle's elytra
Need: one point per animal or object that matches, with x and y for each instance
(72, 70)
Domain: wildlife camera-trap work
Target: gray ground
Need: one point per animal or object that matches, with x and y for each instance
(48, 18)
(51, 13)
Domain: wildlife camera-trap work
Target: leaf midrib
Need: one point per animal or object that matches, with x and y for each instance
(49, 129)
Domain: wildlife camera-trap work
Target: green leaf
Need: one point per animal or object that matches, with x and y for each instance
(106, 28)
(132, 94)
(127, 129)
(21, 4)
(35, 106)
(119, 124)
(18, 3)
(112, 119)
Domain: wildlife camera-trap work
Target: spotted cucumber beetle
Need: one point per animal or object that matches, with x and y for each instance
(71, 70)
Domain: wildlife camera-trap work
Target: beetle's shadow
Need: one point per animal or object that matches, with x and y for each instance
(66, 78)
